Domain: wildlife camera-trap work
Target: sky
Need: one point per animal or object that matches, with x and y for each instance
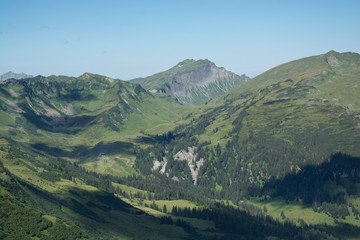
(133, 38)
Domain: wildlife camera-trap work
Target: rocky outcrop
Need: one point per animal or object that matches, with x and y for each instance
(332, 60)
(189, 155)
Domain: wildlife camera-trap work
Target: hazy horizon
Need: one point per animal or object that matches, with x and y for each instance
(127, 40)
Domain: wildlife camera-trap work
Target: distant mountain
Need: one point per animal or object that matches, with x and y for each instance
(192, 82)
(10, 75)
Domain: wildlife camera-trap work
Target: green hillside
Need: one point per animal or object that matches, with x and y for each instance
(192, 82)
(99, 158)
(294, 115)
(334, 75)
(63, 201)
(79, 118)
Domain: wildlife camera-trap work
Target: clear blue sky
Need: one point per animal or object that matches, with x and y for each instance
(128, 39)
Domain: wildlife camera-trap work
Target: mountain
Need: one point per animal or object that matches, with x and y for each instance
(59, 134)
(55, 132)
(292, 116)
(97, 113)
(10, 75)
(192, 82)
(92, 157)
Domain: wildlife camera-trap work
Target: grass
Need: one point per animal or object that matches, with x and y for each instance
(352, 219)
(298, 113)
(96, 211)
(129, 190)
(293, 211)
(316, 108)
(201, 226)
(117, 166)
(50, 218)
(135, 112)
(141, 204)
(172, 203)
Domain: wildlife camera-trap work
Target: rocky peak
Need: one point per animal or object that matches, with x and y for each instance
(204, 75)
(192, 82)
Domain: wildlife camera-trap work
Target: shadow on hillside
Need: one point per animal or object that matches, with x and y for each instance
(77, 95)
(165, 138)
(83, 152)
(67, 125)
(93, 205)
(342, 230)
(308, 183)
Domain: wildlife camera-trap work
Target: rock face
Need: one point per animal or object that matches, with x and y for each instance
(332, 60)
(203, 84)
(189, 155)
(193, 82)
(10, 75)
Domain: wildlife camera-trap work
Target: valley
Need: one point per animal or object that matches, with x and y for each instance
(194, 152)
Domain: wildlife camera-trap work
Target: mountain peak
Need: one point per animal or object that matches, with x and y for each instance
(331, 52)
(192, 82)
(86, 75)
(191, 64)
(192, 61)
(336, 59)
(186, 61)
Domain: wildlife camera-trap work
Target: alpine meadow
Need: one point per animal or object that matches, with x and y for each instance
(231, 120)
(276, 156)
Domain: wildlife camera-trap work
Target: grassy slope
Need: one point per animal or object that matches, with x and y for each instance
(103, 112)
(38, 225)
(100, 214)
(306, 102)
(297, 114)
(201, 226)
(296, 212)
(300, 113)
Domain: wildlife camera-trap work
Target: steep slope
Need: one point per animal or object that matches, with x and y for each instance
(294, 115)
(192, 82)
(10, 75)
(63, 201)
(60, 200)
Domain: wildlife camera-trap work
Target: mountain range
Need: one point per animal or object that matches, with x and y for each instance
(194, 152)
